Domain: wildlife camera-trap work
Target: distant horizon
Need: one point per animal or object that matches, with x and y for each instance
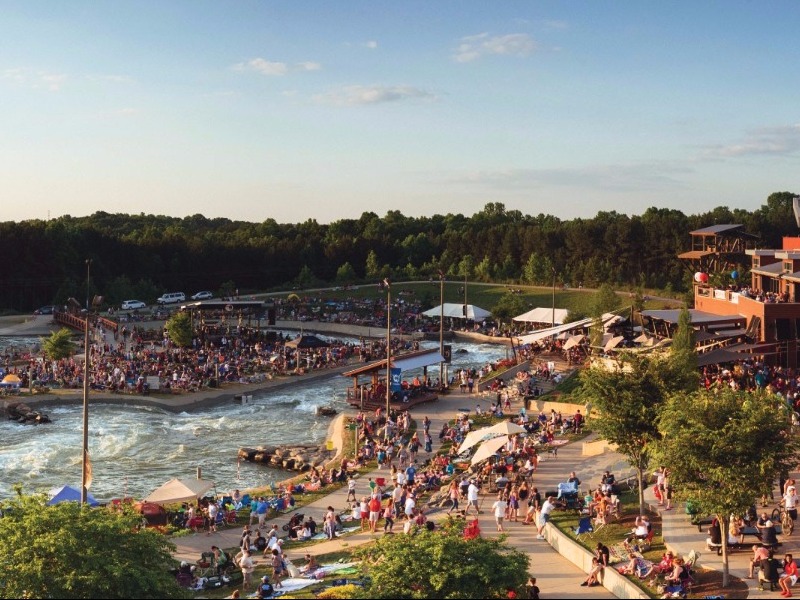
(381, 216)
(263, 110)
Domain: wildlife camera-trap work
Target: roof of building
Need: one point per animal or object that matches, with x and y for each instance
(715, 229)
(698, 317)
(770, 270)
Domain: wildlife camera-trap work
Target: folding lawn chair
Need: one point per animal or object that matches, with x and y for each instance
(584, 527)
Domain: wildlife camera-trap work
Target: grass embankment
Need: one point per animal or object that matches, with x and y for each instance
(615, 532)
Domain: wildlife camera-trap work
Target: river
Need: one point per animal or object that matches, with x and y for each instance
(136, 449)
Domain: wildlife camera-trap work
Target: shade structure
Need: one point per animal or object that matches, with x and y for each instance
(473, 438)
(11, 381)
(67, 493)
(575, 340)
(456, 311)
(307, 341)
(180, 490)
(642, 338)
(505, 428)
(614, 342)
(718, 356)
(543, 315)
(488, 448)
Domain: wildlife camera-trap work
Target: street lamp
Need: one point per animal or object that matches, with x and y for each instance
(85, 464)
(442, 378)
(553, 324)
(386, 284)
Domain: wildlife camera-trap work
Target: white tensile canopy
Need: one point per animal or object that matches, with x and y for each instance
(543, 315)
(506, 428)
(456, 311)
(180, 490)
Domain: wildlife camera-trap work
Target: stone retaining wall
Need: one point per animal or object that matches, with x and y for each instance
(617, 584)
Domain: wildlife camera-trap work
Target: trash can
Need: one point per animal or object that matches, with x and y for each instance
(329, 445)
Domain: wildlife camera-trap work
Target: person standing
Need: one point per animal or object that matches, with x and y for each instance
(544, 515)
(532, 589)
(374, 512)
(213, 509)
(329, 526)
(453, 493)
(248, 566)
(388, 516)
(351, 489)
(472, 497)
(277, 567)
(500, 506)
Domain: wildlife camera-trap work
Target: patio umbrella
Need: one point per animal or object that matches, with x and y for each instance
(505, 428)
(488, 448)
(307, 341)
(573, 341)
(473, 438)
(642, 339)
(614, 342)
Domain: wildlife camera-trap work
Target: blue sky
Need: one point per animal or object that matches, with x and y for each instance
(296, 110)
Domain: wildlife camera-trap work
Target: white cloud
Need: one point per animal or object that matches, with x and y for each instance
(263, 66)
(375, 94)
(309, 66)
(371, 44)
(35, 79)
(782, 140)
(475, 46)
(274, 68)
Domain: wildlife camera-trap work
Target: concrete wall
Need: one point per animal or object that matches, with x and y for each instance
(507, 376)
(617, 584)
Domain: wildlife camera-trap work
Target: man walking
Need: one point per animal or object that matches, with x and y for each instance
(472, 497)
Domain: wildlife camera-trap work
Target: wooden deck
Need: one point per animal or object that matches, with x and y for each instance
(375, 404)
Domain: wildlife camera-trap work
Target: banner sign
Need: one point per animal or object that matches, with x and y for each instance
(397, 382)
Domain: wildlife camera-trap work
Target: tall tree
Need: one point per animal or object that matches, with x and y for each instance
(179, 329)
(628, 395)
(58, 345)
(442, 564)
(66, 551)
(724, 449)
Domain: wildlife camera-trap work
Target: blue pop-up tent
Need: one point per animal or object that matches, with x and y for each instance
(69, 494)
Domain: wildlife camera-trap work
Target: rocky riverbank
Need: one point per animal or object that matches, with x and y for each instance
(299, 458)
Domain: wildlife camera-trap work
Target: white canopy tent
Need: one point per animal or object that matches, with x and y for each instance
(456, 311)
(180, 490)
(609, 319)
(543, 315)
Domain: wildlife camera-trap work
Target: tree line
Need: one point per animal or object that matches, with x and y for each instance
(142, 256)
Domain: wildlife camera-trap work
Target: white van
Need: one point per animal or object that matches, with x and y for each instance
(171, 298)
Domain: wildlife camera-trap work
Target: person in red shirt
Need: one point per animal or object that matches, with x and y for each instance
(374, 512)
(789, 577)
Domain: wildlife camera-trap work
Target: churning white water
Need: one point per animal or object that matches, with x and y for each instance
(136, 449)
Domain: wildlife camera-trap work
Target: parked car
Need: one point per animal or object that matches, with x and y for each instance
(45, 310)
(204, 295)
(133, 305)
(172, 298)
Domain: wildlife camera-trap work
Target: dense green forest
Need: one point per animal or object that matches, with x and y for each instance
(142, 256)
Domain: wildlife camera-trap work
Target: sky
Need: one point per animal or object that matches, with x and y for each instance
(297, 110)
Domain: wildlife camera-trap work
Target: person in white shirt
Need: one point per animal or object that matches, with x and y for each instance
(790, 502)
(500, 507)
(472, 497)
(410, 505)
(351, 489)
(544, 515)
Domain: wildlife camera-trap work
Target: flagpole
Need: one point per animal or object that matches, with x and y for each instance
(85, 453)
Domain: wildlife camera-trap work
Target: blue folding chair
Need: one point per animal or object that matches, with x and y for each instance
(584, 527)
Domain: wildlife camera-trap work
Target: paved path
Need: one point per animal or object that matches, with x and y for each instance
(682, 537)
(557, 577)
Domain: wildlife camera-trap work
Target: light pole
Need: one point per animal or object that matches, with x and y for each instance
(553, 323)
(442, 377)
(85, 475)
(386, 284)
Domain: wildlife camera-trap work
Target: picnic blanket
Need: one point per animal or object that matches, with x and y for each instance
(322, 536)
(617, 553)
(326, 570)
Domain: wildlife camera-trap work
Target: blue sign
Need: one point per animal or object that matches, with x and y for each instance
(397, 380)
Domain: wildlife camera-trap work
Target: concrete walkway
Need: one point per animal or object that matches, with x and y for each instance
(682, 537)
(557, 577)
